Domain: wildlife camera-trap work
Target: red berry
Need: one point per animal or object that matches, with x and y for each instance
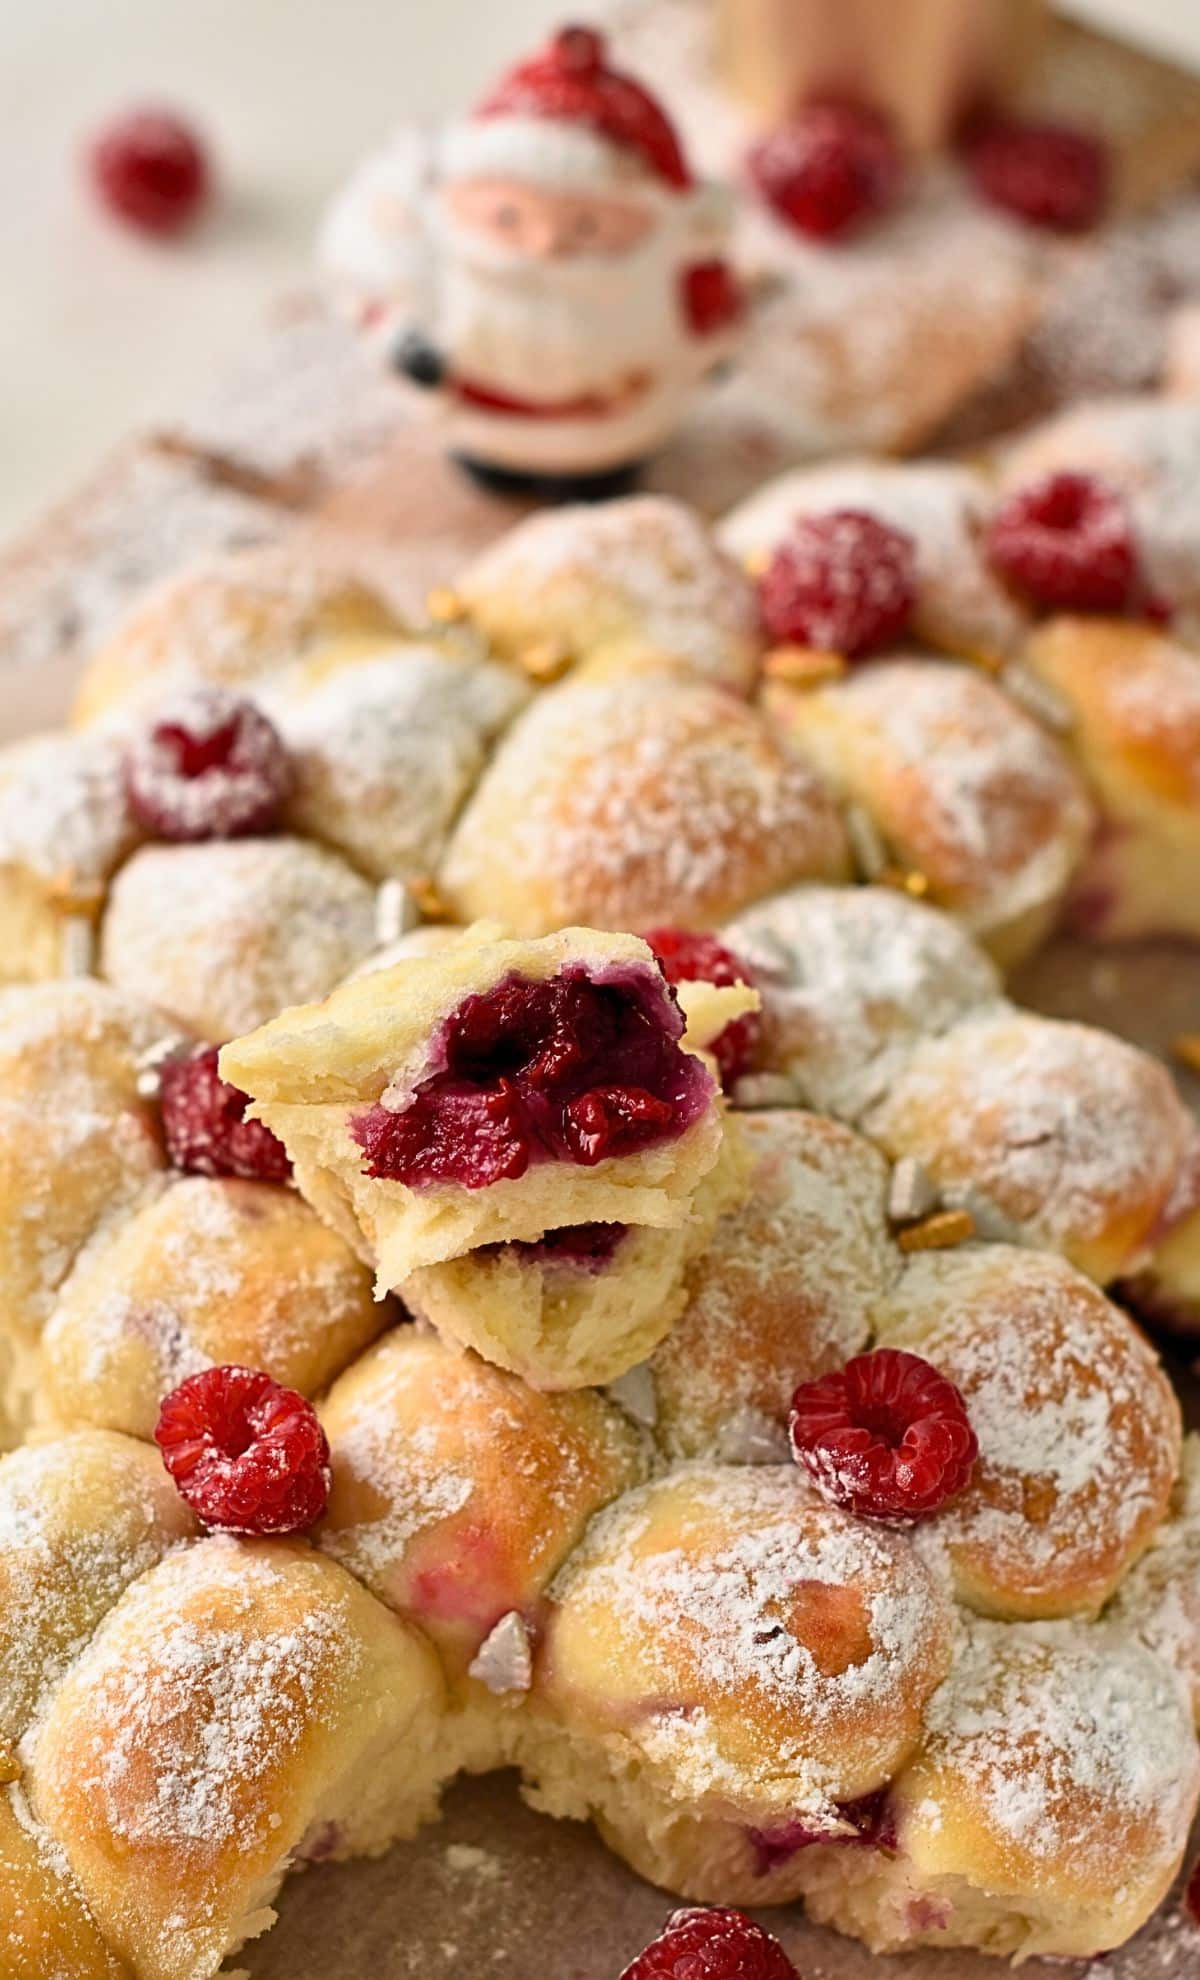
(245, 1453)
(1068, 541)
(151, 170)
(712, 1945)
(1044, 173)
(1191, 1897)
(205, 1128)
(885, 1436)
(843, 582)
(690, 958)
(712, 298)
(209, 766)
(832, 167)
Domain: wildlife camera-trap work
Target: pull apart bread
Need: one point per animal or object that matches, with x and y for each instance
(665, 1336)
(962, 1717)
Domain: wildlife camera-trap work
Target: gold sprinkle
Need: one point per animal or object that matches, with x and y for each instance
(940, 1232)
(907, 880)
(10, 1767)
(548, 661)
(445, 605)
(803, 666)
(1186, 1049)
(427, 899)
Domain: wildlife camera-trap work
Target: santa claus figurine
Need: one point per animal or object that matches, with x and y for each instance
(578, 290)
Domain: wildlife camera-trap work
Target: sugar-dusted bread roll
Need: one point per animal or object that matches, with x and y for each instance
(1078, 1427)
(1134, 693)
(489, 1092)
(852, 979)
(1047, 1812)
(1160, 1599)
(730, 1664)
(208, 1270)
(229, 620)
(631, 802)
(65, 825)
(611, 586)
(223, 935)
(81, 1517)
(245, 1704)
(962, 786)
(785, 1290)
(77, 1144)
(385, 741)
(458, 1492)
(1078, 1140)
(961, 605)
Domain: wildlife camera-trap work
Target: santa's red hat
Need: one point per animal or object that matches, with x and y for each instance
(565, 119)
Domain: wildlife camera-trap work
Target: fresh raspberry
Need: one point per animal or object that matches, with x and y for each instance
(690, 958)
(244, 1453)
(1068, 541)
(1044, 173)
(209, 766)
(886, 1436)
(151, 169)
(712, 1945)
(843, 582)
(205, 1126)
(829, 170)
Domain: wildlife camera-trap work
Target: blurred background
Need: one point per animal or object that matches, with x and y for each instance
(101, 327)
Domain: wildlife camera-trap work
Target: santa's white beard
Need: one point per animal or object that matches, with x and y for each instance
(557, 330)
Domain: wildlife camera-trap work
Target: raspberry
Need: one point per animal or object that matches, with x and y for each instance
(205, 1128)
(565, 1070)
(1191, 1897)
(1068, 541)
(244, 1453)
(1044, 173)
(712, 1945)
(885, 1436)
(208, 767)
(843, 582)
(689, 958)
(833, 167)
(712, 298)
(151, 169)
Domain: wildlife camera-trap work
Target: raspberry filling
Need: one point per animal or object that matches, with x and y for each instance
(577, 1068)
(842, 582)
(581, 1247)
(1068, 541)
(210, 766)
(886, 1436)
(245, 1454)
(1047, 174)
(205, 1128)
(689, 958)
(829, 170)
(151, 170)
(712, 1945)
(871, 1827)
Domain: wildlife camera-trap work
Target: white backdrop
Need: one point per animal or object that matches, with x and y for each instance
(99, 329)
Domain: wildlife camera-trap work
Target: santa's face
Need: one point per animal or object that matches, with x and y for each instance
(546, 225)
(552, 295)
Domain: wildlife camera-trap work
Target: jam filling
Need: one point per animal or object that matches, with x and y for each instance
(871, 1827)
(574, 1069)
(584, 1247)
